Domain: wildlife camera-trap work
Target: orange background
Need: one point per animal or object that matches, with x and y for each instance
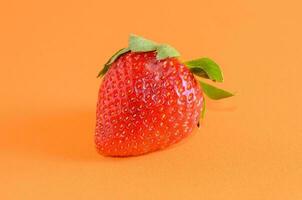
(249, 147)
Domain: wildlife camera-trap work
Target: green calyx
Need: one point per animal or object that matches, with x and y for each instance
(205, 68)
(140, 44)
(208, 69)
(202, 67)
(111, 60)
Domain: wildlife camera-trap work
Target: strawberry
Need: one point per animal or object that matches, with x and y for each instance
(149, 100)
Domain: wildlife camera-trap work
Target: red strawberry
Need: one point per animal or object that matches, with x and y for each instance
(149, 100)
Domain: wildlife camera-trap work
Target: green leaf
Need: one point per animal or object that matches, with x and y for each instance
(166, 51)
(140, 44)
(199, 72)
(207, 65)
(111, 60)
(213, 92)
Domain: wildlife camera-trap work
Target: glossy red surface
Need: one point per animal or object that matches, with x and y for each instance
(145, 105)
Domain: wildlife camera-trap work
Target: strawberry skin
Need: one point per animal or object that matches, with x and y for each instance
(145, 104)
